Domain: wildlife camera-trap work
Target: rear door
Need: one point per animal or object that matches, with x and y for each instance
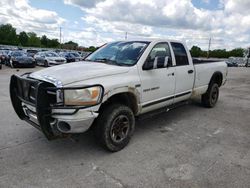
(184, 72)
(158, 84)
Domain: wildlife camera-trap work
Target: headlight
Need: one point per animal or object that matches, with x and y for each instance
(83, 97)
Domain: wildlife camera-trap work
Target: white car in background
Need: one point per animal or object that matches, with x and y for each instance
(48, 59)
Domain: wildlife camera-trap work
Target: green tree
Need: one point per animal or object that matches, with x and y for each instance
(237, 52)
(70, 45)
(44, 41)
(196, 51)
(53, 43)
(8, 34)
(23, 38)
(34, 40)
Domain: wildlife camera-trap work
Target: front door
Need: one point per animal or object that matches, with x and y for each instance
(158, 84)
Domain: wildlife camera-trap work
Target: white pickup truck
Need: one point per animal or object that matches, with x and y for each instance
(116, 83)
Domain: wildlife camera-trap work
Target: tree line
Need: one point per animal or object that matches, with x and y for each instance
(9, 36)
(217, 53)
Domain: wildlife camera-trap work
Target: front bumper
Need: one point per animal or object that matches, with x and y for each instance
(32, 103)
(23, 64)
(56, 62)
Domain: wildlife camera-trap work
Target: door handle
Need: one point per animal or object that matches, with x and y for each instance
(171, 74)
(190, 71)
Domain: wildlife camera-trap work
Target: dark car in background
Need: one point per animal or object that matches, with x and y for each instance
(20, 59)
(71, 56)
(84, 54)
(31, 52)
(231, 64)
(3, 57)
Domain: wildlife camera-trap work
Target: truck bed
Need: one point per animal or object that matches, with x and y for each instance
(204, 70)
(202, 61)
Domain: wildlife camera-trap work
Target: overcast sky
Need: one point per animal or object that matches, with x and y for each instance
(94, 22)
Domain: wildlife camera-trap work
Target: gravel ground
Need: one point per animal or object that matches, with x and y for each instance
(190, 146)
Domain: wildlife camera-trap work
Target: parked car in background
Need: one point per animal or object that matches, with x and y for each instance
(236, 60)
(31, 52)
(71, 56)
(3, 57)
(231, 64)
(78, 57)
(84, 54)
(20, 59)
(247, 57)
(48, 58)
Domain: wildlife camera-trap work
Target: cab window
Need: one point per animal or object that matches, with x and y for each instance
(160, 51)
(180, 54)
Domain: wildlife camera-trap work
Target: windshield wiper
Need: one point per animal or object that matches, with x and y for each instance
(88, 60)
(109, 61)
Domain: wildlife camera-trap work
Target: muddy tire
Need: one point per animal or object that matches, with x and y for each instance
(115, 127)
(210, 98)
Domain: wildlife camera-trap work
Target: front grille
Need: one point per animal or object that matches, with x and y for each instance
(59, 60)
(52, 97)
(26, 90)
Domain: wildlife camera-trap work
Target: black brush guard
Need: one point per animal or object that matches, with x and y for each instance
(32, 92)
(35, 93)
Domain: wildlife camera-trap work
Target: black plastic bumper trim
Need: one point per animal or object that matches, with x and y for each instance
(165, 99)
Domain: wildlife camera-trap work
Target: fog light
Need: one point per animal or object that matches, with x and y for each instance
(63, 126)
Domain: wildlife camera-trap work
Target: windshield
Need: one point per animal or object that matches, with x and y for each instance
(18, 54)
(119, 53)
(50, 54)
(75, 54)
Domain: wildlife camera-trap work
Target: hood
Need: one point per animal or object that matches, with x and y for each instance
(75, 72)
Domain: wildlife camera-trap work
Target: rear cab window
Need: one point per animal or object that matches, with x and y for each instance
(180, 54)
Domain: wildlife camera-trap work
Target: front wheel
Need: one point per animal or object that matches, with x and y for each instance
(210, 98)
(115, 127)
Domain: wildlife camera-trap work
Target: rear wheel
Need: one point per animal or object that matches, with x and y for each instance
(210, 98)
(115, 126)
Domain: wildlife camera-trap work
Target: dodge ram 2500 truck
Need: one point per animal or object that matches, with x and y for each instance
(112, 86)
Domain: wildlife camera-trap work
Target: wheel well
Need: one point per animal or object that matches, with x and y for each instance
(217, 78)
(128, 99)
